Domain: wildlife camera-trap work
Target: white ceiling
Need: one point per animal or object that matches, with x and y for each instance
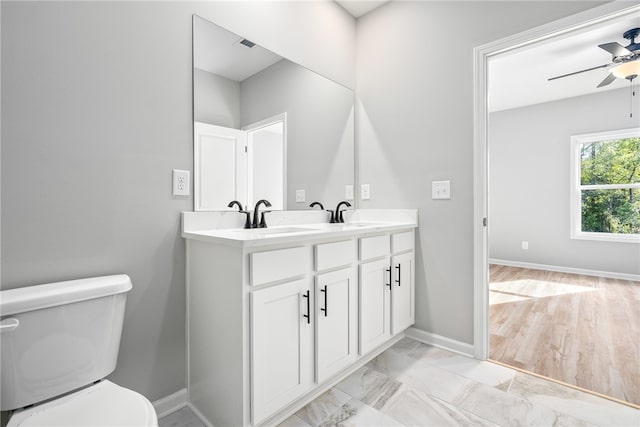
(219, 51)
(516, 78)
(357, 8)
(519, 78)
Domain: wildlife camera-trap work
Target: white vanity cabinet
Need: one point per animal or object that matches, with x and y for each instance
(387, 288)
(270, 324)
(403, 289)
(336, 308)
(300, 327)
(375, 292)
(282, 346)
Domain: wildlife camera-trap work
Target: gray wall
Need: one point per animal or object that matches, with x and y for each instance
(529, 187)
(216, 100)
(415, 125)
(320, 128)
(96, 111)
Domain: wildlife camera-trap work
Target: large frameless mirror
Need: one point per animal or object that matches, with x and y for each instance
(265, 127)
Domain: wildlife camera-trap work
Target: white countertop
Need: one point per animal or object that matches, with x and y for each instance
(291, 229)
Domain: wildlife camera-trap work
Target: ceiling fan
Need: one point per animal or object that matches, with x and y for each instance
(625, 60)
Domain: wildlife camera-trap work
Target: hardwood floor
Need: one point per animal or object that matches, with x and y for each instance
(581, 330)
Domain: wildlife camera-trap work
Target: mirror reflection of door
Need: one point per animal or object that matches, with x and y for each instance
(267, 161)
(220, 167)
(245, 165)
(240, 85)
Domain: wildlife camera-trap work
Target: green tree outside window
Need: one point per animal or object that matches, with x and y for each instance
(614, 164)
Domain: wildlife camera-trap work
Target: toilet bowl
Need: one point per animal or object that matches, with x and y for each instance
(58, 342)
(102, 404)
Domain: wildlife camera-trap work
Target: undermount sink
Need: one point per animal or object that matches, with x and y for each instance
(275, 230)
(364, 224)
(348, 225)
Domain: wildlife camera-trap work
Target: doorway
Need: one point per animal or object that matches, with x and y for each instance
(482, 210)
(267, 161)
(244, 165)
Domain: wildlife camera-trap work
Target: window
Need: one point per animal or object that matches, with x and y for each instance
(605, 186)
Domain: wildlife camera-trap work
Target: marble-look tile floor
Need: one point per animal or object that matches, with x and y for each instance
(412, 384)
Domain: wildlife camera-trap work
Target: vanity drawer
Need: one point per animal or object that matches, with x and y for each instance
(402, 241)
(280, 264)
(338, 254)
(373, 247)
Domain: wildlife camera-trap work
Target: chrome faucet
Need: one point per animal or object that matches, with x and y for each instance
(247, 222)
(262, 224)
(338, 216)
(322, 207)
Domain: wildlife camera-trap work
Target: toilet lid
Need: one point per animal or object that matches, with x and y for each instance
(102, 404)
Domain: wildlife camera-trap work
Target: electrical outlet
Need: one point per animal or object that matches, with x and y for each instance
(365, 192)
(300, 196)
(440, 190)
(181, 181)
(348, 193)
(525, 245)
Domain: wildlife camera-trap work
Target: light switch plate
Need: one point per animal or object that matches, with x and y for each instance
(181, 182)
(365, 192)
(348, 193)
(300, 196)
(440, 190)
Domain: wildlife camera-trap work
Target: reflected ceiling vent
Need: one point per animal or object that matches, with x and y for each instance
(247, 43)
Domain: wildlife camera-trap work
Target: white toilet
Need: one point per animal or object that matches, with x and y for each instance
(57, 344)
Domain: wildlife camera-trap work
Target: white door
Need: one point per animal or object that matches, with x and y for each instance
(375, 304)
(281, 346)
(336, 314)
(220, 166)
(267, 161)
(402, 292)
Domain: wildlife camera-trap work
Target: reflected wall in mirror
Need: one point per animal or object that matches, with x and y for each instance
(265, 127)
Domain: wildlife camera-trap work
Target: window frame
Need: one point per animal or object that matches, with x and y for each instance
(577, 188)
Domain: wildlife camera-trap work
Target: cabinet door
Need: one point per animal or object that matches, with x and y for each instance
(281, 346)
(375, 292)
(402, 292)
(336, 314)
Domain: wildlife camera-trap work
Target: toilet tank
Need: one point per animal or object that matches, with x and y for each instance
(58, 337)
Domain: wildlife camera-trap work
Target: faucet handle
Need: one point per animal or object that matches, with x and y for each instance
(263, 223)
(247, 221)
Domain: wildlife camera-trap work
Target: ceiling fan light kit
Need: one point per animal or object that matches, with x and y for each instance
(625, 60)
(627, 70)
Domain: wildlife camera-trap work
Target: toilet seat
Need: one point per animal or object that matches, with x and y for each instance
(102, 404)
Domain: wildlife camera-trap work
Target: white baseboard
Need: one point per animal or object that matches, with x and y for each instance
(171, 403)
(597, 273)
(441, 342)
(199, 415)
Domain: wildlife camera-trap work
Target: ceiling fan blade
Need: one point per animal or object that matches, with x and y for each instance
(607, 80)
(616, 49)
(578, 72)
